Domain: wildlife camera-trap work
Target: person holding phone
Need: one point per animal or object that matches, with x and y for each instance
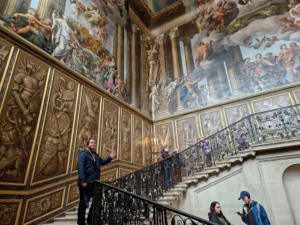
(216, 215)
(253, 212)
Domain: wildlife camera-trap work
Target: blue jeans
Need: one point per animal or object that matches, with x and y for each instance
(86, 193)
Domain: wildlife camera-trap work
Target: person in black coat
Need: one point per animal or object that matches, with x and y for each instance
(216, 215)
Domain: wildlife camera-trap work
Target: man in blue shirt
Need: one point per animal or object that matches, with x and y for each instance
(253, 212)
(88, 171)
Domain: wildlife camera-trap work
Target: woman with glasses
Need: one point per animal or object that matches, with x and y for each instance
(215, 215)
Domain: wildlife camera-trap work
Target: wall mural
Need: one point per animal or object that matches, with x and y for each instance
(110, 123)
(242, 47)
(78, 33)
(55, 145)
(19, 117)
(125, 142)
(138, 156)
(88, 122)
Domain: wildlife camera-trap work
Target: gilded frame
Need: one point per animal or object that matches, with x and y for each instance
(12, 47)
(176, 129)
(69, 188)
(121, 135)
(295, 95)
(207, 112)
(233, 106)
(47, 81)
(155, 137)
(57, 73)
(126, 170)
(77, 122)
(102, 123)
(133, 140)
(20, 201)
(49, 213)
(109, 171)
(151, 141)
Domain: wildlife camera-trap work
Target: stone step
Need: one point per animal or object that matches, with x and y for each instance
(233, 159)
(66, 218)
(164, 202)
(173, 193)
(181, 185)
(189, 181)
(61, 223)
(167, 198)
(223, 164)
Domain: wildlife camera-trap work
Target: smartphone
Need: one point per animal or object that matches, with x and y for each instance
(239, 213)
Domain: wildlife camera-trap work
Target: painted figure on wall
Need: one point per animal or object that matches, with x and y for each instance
(78, 33)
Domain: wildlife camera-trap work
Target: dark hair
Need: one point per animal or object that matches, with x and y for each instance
(88, 141)
(242, 2)
(212, 210)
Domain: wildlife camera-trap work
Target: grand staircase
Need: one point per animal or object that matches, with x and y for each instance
(145, 196)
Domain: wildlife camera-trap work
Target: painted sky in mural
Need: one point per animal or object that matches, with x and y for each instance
(80, 33)
(244, 47)
(159, 5)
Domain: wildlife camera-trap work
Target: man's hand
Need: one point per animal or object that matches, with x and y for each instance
(83, 184)
(112, 154)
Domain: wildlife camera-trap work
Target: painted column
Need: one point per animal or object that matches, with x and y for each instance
(189, 60)
(46, 7)
(135, 30)
(129, 61)
(175, 52)
(11, 7)
(120, 51)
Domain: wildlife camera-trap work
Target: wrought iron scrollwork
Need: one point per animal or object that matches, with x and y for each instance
(114, 206)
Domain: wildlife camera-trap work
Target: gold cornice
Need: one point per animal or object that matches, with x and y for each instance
(139, 22)
(36, 190)
(23, 43)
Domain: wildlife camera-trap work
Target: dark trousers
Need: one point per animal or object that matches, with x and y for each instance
(86, 193)
(208, 158)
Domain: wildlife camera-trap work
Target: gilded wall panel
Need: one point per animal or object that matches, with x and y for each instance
(20, 117)
(44, 205)
(147, 143)
(236, 112)
(73, 193)
(125, 136)
(211, 122)
(272, 102)
(110, 175)
(137, 155)
(88, 122)
(56, 140)
(5, 55)
(10, 211)
(164, 136)
(187, 132)
(297, 96)
(124, 172)
(110, 130)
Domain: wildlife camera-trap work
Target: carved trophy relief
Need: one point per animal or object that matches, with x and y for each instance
(73, 193)
(53, 155)
(109, 176)
(187, 132)
(124, 172)
(88, 122)
(5, 49)
(125, 136)
(9, 212)
(164, 136)
(147, 143)
(297, 96)
(271, 103)
(19, 117)
(236, 113)
(109, 128)
(211, 123)
(41, 206)
(138, 139)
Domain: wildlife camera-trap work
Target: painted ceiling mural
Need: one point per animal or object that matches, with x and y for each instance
(79, 33)
(158, 5)
(241, 47)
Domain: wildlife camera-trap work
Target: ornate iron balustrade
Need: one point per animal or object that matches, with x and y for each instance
(113, 206)
(261, 128)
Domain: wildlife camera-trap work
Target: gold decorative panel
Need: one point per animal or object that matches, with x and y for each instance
(10, 211)
(137, 156)
(124, 172)
(235, 113)
(73, 193)
(297, 96)
(5, 55)
(20, 116)
(109, 140)
(211, 122)
(125, 127)
(147, 143)
(56, 139)
(109, 176)
(272, 102)
(164, 136)
(44, 205)
(88, 122)
(187, 132)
